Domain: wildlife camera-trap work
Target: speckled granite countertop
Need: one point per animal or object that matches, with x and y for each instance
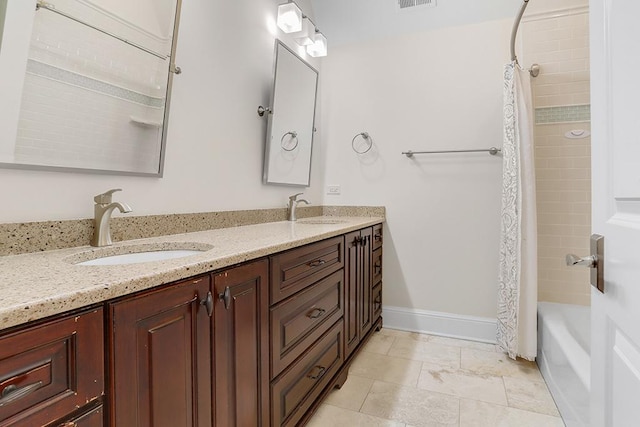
(37, 285)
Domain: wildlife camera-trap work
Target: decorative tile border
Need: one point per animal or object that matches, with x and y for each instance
(51, 72)
(563, 114)
(20, 238)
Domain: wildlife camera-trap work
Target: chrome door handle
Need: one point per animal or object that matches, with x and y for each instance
(595, 261)
(588, 261)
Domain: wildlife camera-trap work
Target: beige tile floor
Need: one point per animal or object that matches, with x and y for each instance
(404, 379)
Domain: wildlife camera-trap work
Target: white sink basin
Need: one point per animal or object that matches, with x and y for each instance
(141, 257)
(135, 254)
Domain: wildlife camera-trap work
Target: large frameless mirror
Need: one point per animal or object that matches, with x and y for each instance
(291, 122)
(86, 84)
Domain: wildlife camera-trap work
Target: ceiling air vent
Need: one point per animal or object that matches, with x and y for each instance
(405, 4)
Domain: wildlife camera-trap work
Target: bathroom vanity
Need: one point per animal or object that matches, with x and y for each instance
(253, 334)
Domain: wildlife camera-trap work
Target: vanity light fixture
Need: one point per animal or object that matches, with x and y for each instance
(319, 46)
(304, 37)
(289, 17)
(304, 32)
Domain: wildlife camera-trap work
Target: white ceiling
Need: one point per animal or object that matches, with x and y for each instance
(348, 21)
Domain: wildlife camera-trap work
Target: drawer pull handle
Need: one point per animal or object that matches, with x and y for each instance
(316, 313)
(377, 237)
(377, 267)
(320, 370)
(225, 297)
(208, 303)
(317, 263)
(11, 393)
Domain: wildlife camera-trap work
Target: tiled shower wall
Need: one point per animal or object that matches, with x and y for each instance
(559, 42)
(88, 99)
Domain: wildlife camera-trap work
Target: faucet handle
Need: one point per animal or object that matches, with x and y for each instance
(105, 198)
(295, 196)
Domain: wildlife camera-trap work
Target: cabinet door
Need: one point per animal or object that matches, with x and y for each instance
(365, 286)
(352, 249)
(161, 358)
(241, 345)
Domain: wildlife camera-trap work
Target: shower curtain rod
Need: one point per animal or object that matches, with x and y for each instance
(48, 6)
(535, 68)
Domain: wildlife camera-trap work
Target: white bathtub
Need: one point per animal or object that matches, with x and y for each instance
(564, 345)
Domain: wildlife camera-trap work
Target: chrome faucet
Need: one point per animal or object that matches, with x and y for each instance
(103, 209)
(293, 203)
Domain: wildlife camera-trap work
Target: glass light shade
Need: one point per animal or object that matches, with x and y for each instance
(319, 46)
(304, 36)
(289, 18)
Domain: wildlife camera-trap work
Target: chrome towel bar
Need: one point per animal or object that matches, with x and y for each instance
(493, 151)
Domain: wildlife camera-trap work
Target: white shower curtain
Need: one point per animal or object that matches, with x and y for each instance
(518, 280)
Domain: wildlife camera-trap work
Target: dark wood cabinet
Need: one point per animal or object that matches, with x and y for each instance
(49, 371)
(297, 323)
(359, 287)
(321, 320)
(160, 362)
(295, 391)
(255, 345)
(241, 345)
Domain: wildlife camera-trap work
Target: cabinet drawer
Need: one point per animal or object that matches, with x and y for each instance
(61, 362)
(377, 237)
(92, 418)
(294, 270)
(296, 390)
(301, 320)
(377, 301)
(376, 266)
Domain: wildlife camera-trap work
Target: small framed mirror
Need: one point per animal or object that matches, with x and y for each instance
(291, 128)
(86, 84)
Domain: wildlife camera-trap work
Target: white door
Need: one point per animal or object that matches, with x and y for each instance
(615, 320)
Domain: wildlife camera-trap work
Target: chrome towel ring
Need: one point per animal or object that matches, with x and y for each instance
(362, 148)
(294, 137)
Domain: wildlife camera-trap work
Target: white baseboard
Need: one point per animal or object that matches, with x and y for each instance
(473, 328)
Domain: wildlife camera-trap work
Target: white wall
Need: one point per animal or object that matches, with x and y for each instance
(431, 90)
(215, 138)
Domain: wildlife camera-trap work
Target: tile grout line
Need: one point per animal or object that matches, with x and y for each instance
(366, 396)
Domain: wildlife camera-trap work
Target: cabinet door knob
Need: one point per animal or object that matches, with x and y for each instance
(208, 303)
(225, 297)
(11, 393)
(316, 313)
(319, 371)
